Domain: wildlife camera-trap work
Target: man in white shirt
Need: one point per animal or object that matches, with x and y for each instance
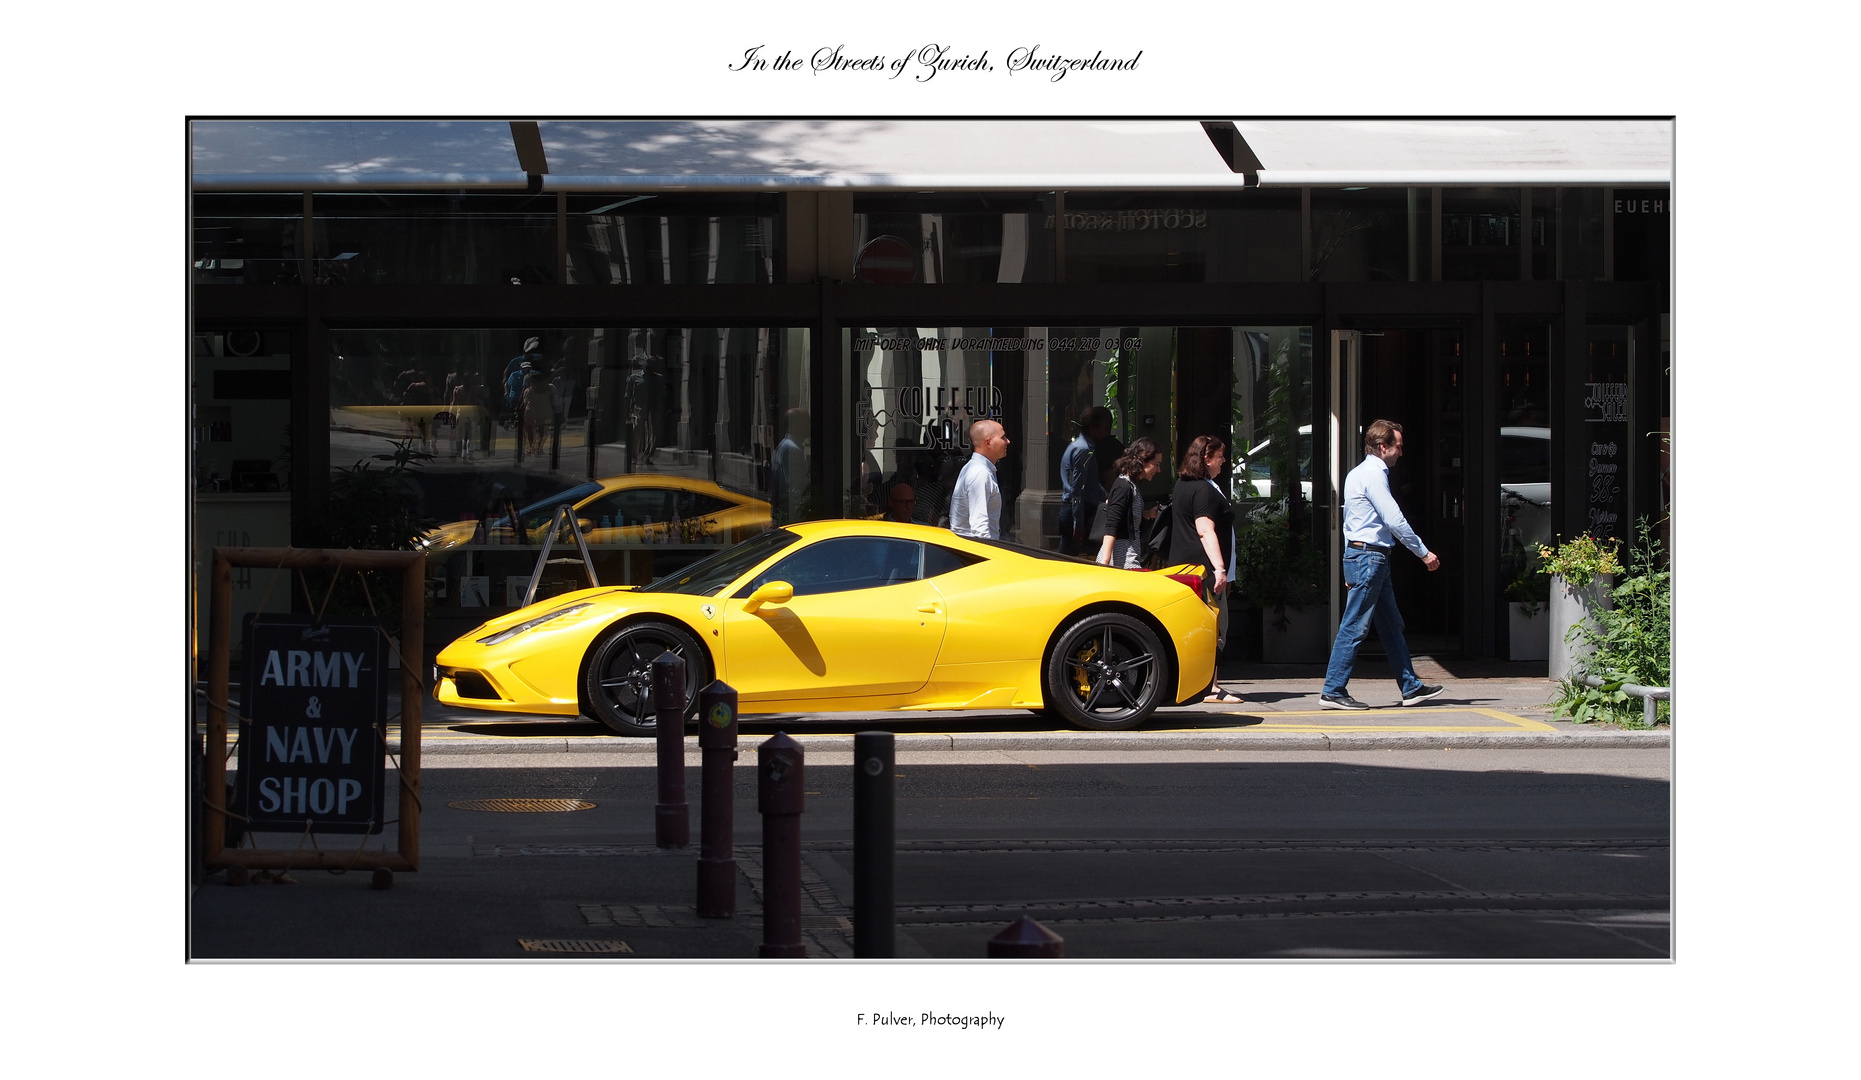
(976, 504)
(1372, 520)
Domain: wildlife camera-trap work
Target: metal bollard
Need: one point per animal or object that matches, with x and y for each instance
(874, 846)
(671, 817)
(779, 799)
(1027, 939)
(717, 737)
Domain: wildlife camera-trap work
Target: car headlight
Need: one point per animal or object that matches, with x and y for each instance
(530, 624)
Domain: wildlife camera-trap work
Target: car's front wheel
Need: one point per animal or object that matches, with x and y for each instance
(617, 687)
(1106, 672)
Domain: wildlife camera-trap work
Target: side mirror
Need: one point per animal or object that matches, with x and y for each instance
(771, 592)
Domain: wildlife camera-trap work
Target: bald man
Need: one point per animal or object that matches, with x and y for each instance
(976, 504)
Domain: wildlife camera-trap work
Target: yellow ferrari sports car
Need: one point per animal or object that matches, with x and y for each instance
(855, 616)
(628, 509)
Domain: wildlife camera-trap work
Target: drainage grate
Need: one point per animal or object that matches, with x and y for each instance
(570, 945)
(522, 806)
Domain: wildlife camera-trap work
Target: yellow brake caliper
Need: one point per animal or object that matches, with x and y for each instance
(1080, 678)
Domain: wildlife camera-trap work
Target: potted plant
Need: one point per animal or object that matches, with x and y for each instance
(1631, 642)
(1528, 600)
(1280, 571)
(1581, 572)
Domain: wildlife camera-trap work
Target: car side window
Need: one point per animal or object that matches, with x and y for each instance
(942, 560)
(629, 507)
(845, 563)
(696, 504)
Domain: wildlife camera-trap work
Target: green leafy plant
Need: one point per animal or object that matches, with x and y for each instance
(1529, 585)
(1275, 565)
(369, 509)
(1632, 643)
(1580, 561)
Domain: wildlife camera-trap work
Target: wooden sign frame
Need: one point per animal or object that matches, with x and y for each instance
(412, 565)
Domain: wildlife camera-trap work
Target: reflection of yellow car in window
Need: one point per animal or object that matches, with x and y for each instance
(634, 509)
(842, 616)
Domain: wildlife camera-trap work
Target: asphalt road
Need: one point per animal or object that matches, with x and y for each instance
(1452, 854)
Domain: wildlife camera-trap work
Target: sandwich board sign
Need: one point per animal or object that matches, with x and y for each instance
(314, 738)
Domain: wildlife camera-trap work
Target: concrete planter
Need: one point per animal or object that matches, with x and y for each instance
(1295, 635)
(1571, 605)
(1530, 631)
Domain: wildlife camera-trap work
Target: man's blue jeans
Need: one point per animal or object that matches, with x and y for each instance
(1370, 600)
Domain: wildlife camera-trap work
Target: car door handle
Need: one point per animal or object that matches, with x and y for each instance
(932, 608)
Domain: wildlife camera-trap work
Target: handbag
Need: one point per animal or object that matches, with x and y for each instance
(1156, 539)
(1102, 524)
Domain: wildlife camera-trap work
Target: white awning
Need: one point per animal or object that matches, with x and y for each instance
(331, 155)
(721, 155)
(922, 155)
(1547, 153)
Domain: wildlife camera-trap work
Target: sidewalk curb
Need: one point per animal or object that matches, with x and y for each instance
(1112, 740)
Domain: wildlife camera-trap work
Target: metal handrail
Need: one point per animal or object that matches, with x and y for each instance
(1648, 695)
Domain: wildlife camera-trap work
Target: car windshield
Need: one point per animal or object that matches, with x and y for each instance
(540, 513)
(709, 575)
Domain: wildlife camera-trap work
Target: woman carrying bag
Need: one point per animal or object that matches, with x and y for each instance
(1204, 533)
(1120, 520)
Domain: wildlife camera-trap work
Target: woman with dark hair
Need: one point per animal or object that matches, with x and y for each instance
(1123, 513)
(1204, 531)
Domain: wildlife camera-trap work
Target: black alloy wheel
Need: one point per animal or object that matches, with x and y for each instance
(617, 688)
(1106, 673)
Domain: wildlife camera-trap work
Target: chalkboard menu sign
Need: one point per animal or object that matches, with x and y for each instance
(313, 740)
(1605, 432)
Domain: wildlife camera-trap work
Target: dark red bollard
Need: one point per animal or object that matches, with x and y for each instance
(717, 738)
(1027, 939)
(779, 799)
(671, 817)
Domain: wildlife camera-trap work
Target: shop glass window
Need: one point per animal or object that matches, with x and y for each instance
(916, 390)
(1580, 234)
(1544, 234)
(621, 239)
(965, 240)
(247, 239)
(1481, 234)
(1371, 234)
(1606, 445)
(1166, 237)
(1641, 233)
(384, 239)
(669, 442)
(1523, 390)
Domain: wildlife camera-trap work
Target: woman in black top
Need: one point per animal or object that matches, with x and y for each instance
(1203, 530)
(1123, 511)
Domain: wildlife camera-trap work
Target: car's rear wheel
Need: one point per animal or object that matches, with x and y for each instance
(1106, 672)
(617, 688)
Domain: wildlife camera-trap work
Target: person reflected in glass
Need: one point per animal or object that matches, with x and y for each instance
(900, 502)
(788, 468)
(1082, 487)
(1124, 513)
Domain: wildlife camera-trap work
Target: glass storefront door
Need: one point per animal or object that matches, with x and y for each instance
(1412, 377)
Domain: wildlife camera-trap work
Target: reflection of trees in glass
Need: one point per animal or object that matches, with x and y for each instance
(1280, 563)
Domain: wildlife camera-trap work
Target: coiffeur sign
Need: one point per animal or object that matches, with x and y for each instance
(313, 743)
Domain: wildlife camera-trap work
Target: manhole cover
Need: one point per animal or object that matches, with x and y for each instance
(565, 945)
(522, 806)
